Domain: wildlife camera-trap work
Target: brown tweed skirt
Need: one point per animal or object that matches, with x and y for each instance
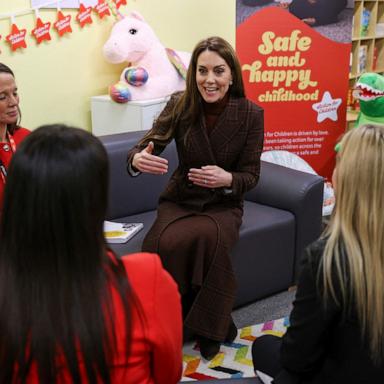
(195, 249)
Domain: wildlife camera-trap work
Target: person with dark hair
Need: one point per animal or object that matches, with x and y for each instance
(11, 134)
(317, 12)
(71, 311)
(336, 331)
(219, 138)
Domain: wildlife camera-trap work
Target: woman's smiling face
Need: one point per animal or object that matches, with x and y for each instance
(213, 76)
(9, 99)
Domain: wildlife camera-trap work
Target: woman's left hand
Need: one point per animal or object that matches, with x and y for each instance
(210, 176)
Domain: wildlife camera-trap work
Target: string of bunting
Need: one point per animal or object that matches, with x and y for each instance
(63, 24)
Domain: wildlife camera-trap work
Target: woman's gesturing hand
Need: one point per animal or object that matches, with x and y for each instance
(210, 176)
(145, 162)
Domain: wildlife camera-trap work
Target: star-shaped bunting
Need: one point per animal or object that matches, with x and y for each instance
(41, 31)
(326, 108)
(102, 8)
(119, 3)
(17, 38)
(84, 15)
(63, 24)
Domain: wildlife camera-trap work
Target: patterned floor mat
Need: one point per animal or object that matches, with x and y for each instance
(234, 359)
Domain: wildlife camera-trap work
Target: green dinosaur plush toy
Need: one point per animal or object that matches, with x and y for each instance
(369, 90)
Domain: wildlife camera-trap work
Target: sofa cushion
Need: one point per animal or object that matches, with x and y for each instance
(134, 244)
(265, 249)
(263, 258)
(281, 216)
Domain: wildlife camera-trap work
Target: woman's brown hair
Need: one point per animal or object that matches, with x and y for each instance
(187, 108)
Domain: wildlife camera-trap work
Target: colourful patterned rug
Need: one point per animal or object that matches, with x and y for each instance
(234, 359)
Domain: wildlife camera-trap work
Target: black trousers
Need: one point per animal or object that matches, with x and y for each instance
(266, 359)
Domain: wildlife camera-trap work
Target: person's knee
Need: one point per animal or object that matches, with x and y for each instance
(169, 243)
(263, 343)
(265, 354)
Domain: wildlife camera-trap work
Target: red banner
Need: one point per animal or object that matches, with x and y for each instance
(300, 78)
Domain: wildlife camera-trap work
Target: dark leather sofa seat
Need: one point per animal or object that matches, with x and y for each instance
(281, 216)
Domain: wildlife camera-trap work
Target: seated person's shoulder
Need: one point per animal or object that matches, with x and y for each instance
(142, 263)
(147, 276)
(317, 247)
(314, 252)
(21, 132)
(251, 106)
(173, 99)
(176, 96)
(145, 269)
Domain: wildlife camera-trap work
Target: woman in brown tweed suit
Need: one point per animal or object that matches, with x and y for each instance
(219, 138)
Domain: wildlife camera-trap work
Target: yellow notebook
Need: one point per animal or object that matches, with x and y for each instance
(120, 232)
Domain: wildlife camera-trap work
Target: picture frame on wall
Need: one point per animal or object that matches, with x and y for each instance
(62, 3)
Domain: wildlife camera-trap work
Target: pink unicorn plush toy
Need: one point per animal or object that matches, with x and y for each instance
(153, 71)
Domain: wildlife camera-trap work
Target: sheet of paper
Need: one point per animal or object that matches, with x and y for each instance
(120, 232)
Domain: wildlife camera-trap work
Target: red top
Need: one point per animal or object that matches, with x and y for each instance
(156, 348)
(6, 155)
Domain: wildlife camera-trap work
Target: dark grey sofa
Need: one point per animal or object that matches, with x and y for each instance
(281, 216)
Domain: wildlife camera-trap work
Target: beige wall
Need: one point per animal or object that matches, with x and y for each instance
(56, 79)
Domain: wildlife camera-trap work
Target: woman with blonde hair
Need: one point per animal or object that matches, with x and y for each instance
(336, 332)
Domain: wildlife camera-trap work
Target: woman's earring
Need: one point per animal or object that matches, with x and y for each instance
(230, 82)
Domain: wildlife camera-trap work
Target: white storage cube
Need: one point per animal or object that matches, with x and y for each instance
(109, 117)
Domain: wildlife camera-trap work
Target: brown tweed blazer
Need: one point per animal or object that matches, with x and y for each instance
(235, 144)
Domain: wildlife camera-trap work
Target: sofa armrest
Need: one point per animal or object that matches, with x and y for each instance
(295, 191)
(133, 195)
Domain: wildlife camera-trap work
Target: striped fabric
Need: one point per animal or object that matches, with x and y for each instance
(234, 360)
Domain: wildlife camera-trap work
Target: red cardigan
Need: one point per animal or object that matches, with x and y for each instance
(156, 349)
(5, 156)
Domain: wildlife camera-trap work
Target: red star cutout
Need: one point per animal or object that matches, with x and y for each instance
(63, 24)
(41, 32)
(84, 15)
(102, 8)
(119, 3)
(17, 38)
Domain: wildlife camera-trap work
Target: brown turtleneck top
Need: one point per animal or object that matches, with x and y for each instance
(212, 111)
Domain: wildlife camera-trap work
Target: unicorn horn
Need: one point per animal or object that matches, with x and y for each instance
(115, 12)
